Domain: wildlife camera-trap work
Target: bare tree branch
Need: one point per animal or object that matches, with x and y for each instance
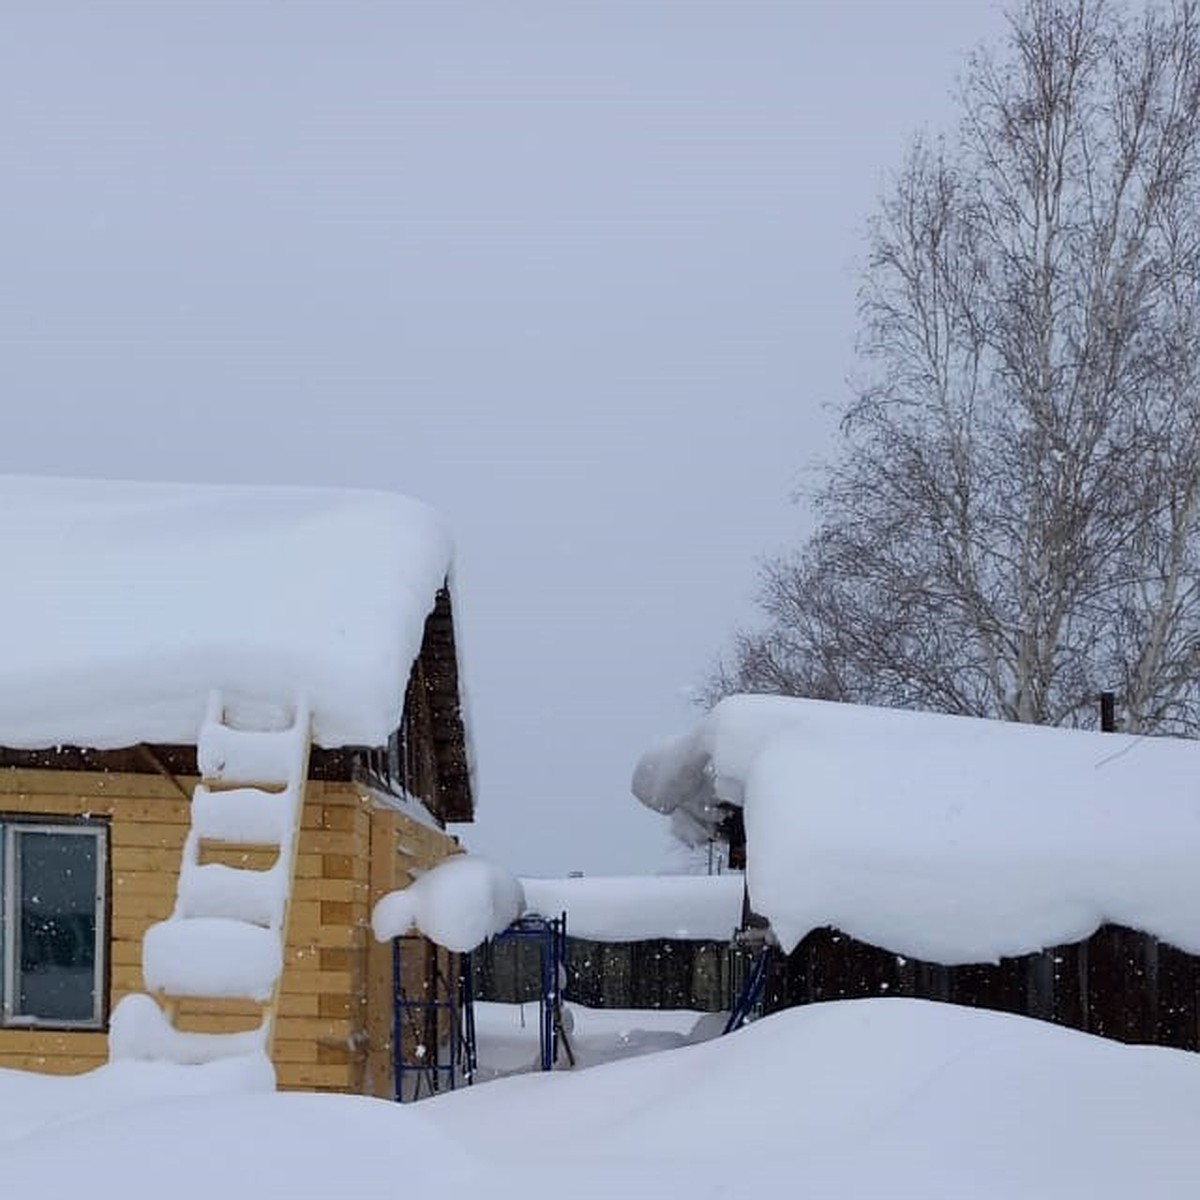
(1012, 523)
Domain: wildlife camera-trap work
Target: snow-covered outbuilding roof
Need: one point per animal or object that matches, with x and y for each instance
(124, 604)
(950, 839)
(635, 908)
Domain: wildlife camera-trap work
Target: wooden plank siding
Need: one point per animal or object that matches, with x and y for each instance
(334, 1026)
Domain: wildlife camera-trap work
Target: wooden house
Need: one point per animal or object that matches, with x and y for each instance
(1044, 872)
(159, 645)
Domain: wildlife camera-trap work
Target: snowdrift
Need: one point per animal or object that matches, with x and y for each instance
(859, 1099)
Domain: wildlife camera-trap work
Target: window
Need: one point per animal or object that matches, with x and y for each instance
(52, 937)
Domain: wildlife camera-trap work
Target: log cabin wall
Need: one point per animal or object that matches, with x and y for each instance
(333, 1004)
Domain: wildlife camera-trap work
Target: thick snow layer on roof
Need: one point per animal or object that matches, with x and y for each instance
(635, 908)
(458, 904)
(124, 604)
(946, 838)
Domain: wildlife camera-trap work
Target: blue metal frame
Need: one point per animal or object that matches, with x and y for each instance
(467, 985)
(751, 994)
(441, 1067)
(551, 935)
(435, 1072)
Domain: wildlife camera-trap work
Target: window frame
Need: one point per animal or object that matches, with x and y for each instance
(12, 825)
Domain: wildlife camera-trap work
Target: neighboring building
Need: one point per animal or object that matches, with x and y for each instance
(632, 941)
(298, 643)
(1042, 871)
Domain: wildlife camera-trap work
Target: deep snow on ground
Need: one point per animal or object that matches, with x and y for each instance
(863, 1099)
(508, 1035)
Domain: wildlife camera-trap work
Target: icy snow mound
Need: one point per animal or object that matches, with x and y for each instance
(458, 904)
(950, 839)
(135, 600)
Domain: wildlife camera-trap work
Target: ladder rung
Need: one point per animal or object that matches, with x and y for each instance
(248, 816)
(140, 1031)
(250, 756)
(211, 958)
(241, 894)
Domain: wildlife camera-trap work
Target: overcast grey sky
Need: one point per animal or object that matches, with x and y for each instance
(579, 274)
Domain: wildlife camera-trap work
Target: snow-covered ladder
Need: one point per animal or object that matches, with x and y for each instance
(227, 936)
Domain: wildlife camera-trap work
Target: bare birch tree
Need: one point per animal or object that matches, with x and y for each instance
(1013, 521)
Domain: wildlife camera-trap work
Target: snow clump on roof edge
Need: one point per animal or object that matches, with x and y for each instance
(458, 904)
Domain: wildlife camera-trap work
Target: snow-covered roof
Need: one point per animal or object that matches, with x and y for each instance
(124, 604)
(950, 839)
(635, 908)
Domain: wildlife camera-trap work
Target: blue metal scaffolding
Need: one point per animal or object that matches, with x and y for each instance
(433, 1019)
(433, 1031)
(748, 1003)
(550, 936)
